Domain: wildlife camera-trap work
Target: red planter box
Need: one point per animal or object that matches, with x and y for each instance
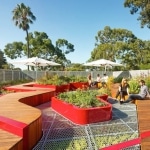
(82, 115)
(103, 97)
(62, 88)
(77, 85)
(57, 88)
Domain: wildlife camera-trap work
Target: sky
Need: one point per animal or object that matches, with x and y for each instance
(77, 21)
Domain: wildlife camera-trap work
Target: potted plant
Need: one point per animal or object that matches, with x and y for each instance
(62, 83)
(82, 106)
(58, 83)
(78, 82)
(103, 93)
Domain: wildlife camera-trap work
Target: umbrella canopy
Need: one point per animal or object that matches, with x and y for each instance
(35, 61)
(102, 62)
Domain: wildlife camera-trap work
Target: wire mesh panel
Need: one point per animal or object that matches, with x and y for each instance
(61, 134)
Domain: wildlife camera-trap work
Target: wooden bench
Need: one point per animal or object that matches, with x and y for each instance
(21, 124)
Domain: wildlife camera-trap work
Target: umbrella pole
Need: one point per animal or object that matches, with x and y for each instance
(36, 74)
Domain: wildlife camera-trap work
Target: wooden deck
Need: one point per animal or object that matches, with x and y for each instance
(14, 108)
(143, 111)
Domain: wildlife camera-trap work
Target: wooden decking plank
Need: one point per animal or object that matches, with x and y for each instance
(8, 139)
(10, 107)
(143, 111)
(29, 113)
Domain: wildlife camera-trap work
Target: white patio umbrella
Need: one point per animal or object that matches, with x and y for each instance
(102, 63)
(35, 61)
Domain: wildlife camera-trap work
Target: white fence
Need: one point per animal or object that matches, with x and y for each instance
(9, 75)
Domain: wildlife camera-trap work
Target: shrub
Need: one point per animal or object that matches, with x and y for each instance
(104, 90)
(118, 80)
(134, 86)
(81, 98)
(58, 80)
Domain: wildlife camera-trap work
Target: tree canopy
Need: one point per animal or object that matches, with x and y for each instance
(113, 44)
(121, 45)
(23, 16)
(2, 60)
(142, 8)
(41, 46)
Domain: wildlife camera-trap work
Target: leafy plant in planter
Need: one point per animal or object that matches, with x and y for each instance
(78, 79)
(59, 80)
(104, 91)
(134, 86)
(54, 80)
(81, 98)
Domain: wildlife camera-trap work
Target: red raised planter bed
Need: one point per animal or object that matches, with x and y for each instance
(62, 88)
(57, 88)
(103, 97)
(82, 115)
(77, 85)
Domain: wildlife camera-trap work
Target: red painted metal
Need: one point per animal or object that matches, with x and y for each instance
(64, 87)
(103, 97)
(57, 88)
(123, 144)
(145, 134)
(82, 115)
(14, 89)
(15, 127)
(78, 85)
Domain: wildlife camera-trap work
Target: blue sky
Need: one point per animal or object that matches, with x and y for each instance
(77, 21)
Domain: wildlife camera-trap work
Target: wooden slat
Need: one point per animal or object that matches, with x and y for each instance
(7, 140)
(11, 107)
(143, 111)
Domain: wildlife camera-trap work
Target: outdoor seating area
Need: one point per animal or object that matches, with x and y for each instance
(75, 76)
(128, 124)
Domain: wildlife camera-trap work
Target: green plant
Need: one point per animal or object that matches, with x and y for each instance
(118, 79)
(58, 80)
(54, 80)
(104, 90)
(134, 86)
(3, 92)
(82, 98)
(78, 79)
(110, 82)
(147, 81)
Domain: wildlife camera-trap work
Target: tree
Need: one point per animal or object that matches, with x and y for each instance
(2, 60)
(141, 7)
(75, 67)
(112, 43)
(63, 47)
(121, 45)
(23, 16)
(40, 46)
(14, 50)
